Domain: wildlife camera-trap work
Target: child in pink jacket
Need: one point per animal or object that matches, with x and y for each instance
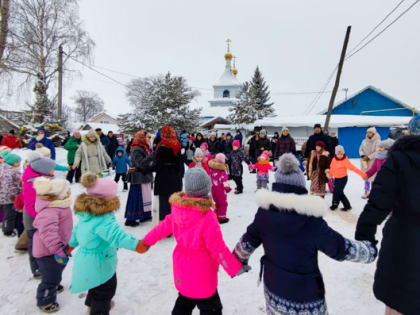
(220, 188)
(54, 224)
(200, 247)
(37, 167)
(263, 166)
(381, 156)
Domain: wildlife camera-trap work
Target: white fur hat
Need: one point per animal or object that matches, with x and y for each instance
(55, 187)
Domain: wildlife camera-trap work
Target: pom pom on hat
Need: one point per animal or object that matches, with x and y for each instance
(236, 143)
(220, 157)
(44, 151)
(99, 187)
(52, 187)
(197, 182)
(288, 171)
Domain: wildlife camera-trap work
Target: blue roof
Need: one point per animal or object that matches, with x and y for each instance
(372, 102)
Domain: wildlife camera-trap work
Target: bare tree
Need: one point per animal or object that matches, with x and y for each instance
(4, 15)
(88, 104)
(36, 29)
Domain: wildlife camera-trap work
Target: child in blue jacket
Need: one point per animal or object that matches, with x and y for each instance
(120, 163)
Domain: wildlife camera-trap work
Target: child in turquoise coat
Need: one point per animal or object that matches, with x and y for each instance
(98, 236)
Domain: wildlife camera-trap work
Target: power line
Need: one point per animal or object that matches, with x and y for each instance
(376, 27)
(98, 72)
(383, 30)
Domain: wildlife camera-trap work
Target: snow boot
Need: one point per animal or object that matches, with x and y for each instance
(60, 289)
(131, 223)
(50, 308)
(223, 221)
(112, 306)
(366, 195)
(346, 209)
(333, 207)
(237, 192)
(37, 274)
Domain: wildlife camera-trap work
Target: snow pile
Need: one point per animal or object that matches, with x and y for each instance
(145, 283)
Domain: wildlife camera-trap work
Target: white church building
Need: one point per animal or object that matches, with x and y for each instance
(225, 93)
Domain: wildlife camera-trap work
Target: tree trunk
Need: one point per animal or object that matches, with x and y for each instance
(4, 13)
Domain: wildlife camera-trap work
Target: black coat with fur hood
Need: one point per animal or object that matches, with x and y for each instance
(396, 191)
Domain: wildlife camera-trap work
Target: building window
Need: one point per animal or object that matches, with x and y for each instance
(104, 122)
(226, 94)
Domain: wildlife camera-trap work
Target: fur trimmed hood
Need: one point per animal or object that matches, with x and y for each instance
(217, 165)
(303, 204)
(94, 205)
(204, 204)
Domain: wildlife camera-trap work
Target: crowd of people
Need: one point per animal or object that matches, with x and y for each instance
(191, 204)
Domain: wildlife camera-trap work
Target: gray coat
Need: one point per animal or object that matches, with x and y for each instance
(143, 164)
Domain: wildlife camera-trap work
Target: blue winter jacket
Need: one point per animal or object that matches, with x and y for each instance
(120, 163)
(45, 142)
(290, 226)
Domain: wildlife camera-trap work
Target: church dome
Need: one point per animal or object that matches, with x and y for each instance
(228, 55)
(235, 71)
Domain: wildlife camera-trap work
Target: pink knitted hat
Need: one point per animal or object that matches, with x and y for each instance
(205, 146)
(264, 155)
(99, 187)
(221, 158)
(236, 143)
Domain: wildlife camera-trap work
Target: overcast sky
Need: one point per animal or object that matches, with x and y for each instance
(295, 43)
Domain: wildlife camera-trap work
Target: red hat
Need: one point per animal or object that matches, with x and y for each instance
(236, 143)
(320, 144)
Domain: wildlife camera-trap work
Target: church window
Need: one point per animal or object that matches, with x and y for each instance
(226, 94)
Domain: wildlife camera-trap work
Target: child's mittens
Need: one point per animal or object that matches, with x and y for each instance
(360, 251)
(142, 247)
(68, 249)
(227, 187)
(61, 259)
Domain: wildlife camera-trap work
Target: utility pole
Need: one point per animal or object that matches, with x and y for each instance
(337, 79)
(60, 82)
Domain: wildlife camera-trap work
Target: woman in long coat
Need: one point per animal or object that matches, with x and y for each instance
(395, 195)
(139, 202)
(92, 155)
(168, 170)
(317, 166)
(367, 151)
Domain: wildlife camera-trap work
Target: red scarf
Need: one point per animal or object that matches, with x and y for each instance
(140, 140)
(169, 139)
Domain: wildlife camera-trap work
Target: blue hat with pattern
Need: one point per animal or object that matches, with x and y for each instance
(414, 126)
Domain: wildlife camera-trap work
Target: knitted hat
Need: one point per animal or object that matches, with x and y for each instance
(10, 158)
(99, 187)
(288, 171)
(264, 156)
(317, 126)
(205, 146)
(236, 143)
(52, 187)
(387, 144)
(198, 152)
(220, 157)
(41, 165)
(263, 132)
(228, 134)
(197, 182)
(414, 126)
(339, 150)
(320, 144)
(213, 134)
(44, 151)
(284, 129)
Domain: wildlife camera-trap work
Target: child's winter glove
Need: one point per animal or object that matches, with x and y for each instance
(227, 188)
(142, 247)
(62, 256)
(69, 249)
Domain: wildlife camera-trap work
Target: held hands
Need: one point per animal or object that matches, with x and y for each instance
(142, 247)
(245, 268)
(62, 257)
(74, 167)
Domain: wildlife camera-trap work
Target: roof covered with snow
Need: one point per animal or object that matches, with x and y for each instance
(337, 121)
(228, 79)
(105, 127)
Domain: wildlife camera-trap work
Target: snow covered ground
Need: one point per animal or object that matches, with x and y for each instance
(145, 284)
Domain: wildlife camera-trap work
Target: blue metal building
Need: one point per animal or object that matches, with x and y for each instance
(368, 102)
